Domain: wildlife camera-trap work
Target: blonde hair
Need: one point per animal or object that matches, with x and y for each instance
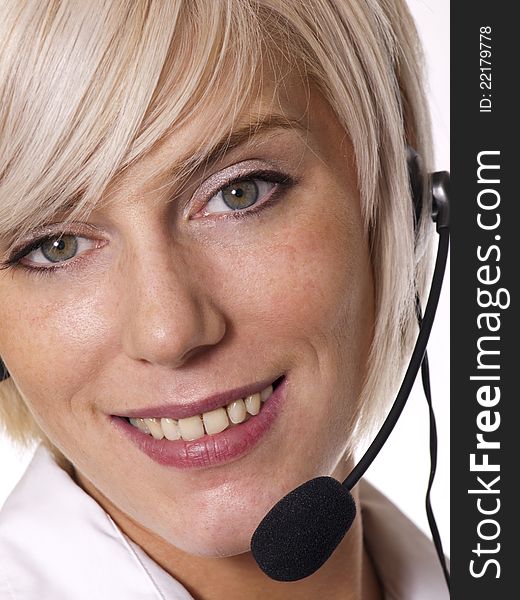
(85, 92)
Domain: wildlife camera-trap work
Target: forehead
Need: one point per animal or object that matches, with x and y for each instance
(276, 108)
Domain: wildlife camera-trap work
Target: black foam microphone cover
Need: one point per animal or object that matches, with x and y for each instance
(302, 530)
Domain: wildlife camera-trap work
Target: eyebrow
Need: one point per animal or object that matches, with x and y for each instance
(261, 125)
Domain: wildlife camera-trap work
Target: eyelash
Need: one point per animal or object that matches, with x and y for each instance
(283, 181)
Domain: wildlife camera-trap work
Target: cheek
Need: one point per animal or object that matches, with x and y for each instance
(310, 281)
(49, 344)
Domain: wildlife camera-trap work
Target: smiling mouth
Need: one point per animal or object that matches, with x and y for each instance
(234, 413)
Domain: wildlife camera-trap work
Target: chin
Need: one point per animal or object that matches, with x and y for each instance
(220, 548)
(221, 530)
(213, 542)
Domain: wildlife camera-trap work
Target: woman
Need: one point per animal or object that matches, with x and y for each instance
(209, 269)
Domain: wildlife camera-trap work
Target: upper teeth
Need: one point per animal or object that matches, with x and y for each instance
(211, 422)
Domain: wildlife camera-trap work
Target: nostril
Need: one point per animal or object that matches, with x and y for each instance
(194, 352)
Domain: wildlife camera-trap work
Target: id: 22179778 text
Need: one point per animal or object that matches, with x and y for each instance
(485, 70)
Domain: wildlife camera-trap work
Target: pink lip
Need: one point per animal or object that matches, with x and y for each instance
(209, 450)
(197, 407)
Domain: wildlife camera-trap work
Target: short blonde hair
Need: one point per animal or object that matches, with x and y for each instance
(86, 91)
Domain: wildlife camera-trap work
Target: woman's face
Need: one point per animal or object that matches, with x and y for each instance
(168, 299)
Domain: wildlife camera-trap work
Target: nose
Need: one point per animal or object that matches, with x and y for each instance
(169, 313)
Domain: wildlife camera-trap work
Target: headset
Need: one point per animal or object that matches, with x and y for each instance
(300, 532)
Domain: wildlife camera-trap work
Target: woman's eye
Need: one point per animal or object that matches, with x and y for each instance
(238, 195)
(57, 249)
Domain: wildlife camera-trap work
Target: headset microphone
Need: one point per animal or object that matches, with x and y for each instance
(303, 529)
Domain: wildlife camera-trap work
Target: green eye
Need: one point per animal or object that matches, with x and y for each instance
(60, 249)
(247, 194)
(240, 195)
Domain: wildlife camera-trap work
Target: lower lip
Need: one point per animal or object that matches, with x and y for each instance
(209, 450)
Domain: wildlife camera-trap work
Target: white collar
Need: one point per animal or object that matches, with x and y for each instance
(57, 543)
(404, 558)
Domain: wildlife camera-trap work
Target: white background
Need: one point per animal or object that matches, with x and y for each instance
(401, 470)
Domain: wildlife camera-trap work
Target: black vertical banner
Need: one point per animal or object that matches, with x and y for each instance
(485, 267)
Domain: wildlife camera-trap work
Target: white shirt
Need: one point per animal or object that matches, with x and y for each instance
(57, 543)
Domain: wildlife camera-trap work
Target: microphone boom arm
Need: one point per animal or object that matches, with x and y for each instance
(440, 214)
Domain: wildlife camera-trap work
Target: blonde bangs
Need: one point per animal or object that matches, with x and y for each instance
(100, 88)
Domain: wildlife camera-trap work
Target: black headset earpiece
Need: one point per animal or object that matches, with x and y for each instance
(416, 182)
(439, 184)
